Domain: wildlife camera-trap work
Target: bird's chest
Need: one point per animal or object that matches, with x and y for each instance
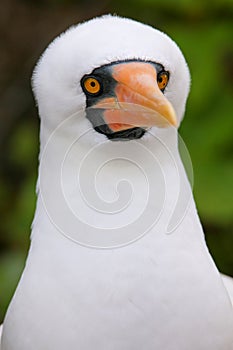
(141, 296)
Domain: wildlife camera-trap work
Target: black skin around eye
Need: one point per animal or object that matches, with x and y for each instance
(104, 76)
(107, 83)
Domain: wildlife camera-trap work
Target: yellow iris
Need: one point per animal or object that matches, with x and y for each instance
(92, 85)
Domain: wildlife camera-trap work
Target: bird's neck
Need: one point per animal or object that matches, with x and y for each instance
(113, 191)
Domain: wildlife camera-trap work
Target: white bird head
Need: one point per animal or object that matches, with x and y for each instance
(132, 76)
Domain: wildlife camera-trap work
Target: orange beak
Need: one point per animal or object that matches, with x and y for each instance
(138, 101)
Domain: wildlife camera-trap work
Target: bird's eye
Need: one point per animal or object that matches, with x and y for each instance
(162, 80)
(91, 85)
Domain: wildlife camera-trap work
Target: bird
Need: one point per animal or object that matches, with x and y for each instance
(118, 258)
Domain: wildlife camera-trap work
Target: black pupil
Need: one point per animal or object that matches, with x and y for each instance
(160, 79)
(93, 84)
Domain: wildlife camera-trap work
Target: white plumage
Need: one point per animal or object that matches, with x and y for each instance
(162, 291)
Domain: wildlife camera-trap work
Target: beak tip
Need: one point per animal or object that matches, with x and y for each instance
(172, 119)
(174, 122)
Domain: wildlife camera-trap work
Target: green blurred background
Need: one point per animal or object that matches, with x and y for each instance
(203, 30)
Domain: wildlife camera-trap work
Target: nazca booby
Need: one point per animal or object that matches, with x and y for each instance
(115, 267)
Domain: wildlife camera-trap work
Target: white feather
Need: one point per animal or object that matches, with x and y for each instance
(228, 283)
